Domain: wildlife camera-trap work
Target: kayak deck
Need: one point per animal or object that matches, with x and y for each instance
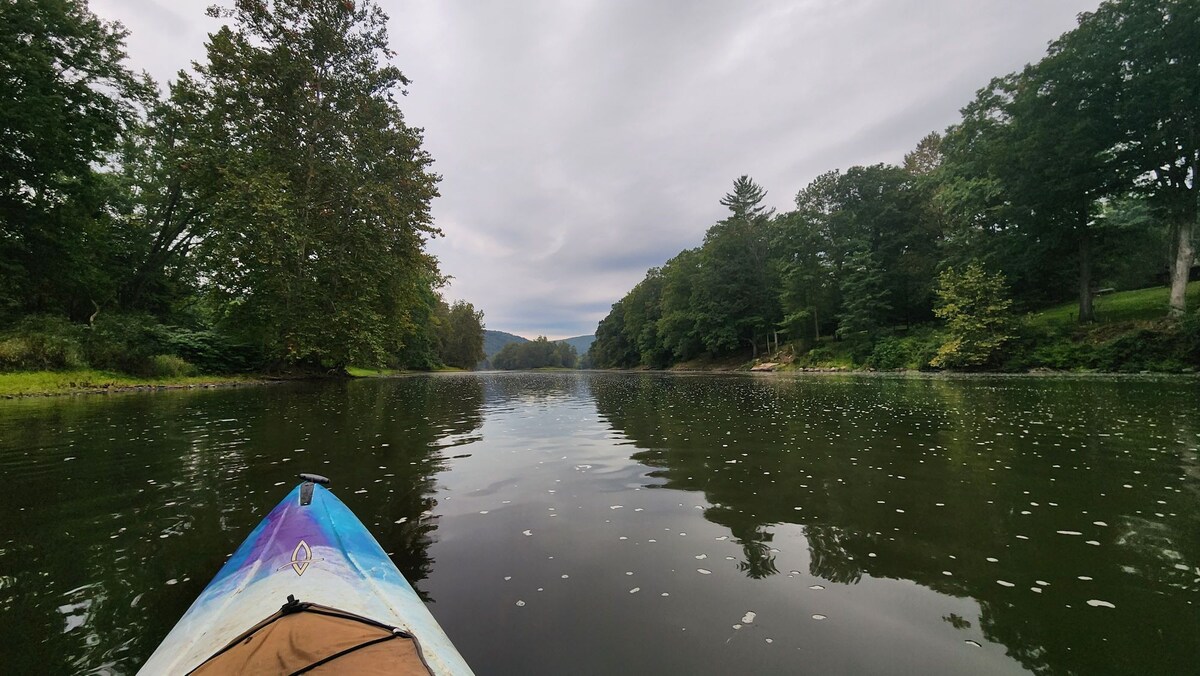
(311, 639)
(310, 549)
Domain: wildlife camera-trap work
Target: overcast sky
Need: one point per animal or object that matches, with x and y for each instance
(582, 142)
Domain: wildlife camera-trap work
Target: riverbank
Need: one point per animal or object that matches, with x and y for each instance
(1130, 335)
(94, 381)
(91, 381)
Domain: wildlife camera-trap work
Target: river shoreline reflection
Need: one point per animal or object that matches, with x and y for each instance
(642, 522)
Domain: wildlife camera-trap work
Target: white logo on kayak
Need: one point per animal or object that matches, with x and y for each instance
(301, 557)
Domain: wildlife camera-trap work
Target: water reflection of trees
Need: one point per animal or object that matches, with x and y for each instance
(120, 509)
(860, 465)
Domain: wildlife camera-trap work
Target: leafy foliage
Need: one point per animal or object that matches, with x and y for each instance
(534, 354)
(977, 311)
(66, 100)
(461, 335)
(273, 209)
(1069, 177)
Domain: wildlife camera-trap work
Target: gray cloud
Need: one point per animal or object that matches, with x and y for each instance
(583, 142)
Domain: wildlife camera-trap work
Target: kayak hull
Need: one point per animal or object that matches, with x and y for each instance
(318, 553)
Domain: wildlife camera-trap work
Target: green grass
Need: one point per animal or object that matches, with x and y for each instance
(361, 372)
(1123, 306)
(32, 383)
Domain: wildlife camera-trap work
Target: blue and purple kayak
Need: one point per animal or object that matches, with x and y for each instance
(309, 591)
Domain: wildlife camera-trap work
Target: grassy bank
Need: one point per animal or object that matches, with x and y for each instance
(77, 381)
(1131, 334)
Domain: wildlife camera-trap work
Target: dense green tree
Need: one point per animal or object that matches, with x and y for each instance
(867, 298)
(315, 243)
(735, 297)
(170, 200)
(612, 348)
(1135, 63)
(678, 327)
(977, 311)
(462, 335)
(534, 354)
(643, 312)
(66, 99)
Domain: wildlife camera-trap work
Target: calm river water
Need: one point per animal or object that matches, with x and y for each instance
(642, 523)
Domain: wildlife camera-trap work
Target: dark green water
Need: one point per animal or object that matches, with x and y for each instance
(628, 523)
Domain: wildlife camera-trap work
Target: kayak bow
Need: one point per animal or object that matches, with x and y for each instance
(310, 590)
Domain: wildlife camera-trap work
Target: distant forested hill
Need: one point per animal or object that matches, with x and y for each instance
(580, 343)
(493, 341)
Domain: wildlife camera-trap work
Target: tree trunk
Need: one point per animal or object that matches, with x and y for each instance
(1086, 311)
(1180, 271)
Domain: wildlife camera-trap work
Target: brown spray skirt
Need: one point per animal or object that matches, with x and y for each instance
(310, 639)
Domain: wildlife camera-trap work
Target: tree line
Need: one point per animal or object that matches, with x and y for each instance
(271, 208)
(534, 354)
(1074, 175)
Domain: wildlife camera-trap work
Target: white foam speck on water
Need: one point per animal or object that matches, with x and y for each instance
(401, 519)
(1097, 603)
(703, 571)
(565, 576)
(1068, 532)
(1022, 537)
(527, 533)
(629, 572)
(1042, 583)
(993, 560)
(520, 604)
(974, 643)
(1099, 523)
(278, 483)
(1094, 543)
(483, 511)
(172, 581)
(1036, 590)
(507, 578)
(946, 572)
(737, 626)
(622, 538)
(815, 586)
(1085, 578)
(664, 594)
(616, 506)
(1005, 583)
(722, 538)
(818, 616)
(701, 557)
(749, 616)
(635, 590)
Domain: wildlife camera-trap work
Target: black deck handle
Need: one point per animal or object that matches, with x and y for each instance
(315, 478)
